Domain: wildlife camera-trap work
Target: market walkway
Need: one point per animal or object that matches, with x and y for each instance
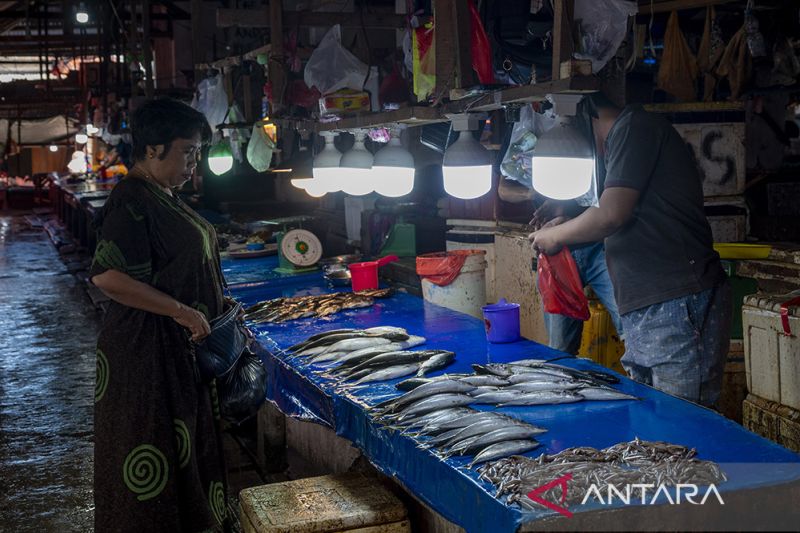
(48, 329)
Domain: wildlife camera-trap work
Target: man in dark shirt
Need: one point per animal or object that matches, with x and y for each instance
(672, 294)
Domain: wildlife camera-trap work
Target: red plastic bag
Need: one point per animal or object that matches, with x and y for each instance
(561, 286)
(442, 268)
(481, 49)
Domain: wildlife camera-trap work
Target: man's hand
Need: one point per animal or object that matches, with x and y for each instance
(545, 241)
(548, 211)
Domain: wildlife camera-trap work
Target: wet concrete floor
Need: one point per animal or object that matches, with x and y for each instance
(48, 329)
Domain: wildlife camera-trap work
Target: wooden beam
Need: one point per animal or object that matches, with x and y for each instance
(147, 50)
(256, 18)
(452, 46)
(277, 65)
(563, 15)
(676, 5)
(197, 41)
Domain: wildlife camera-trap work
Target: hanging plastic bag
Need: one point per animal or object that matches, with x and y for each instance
(561, 287)
(480, 48)
(516, 164)
(709, 53)
(212, 100)
(243, 389)
(603, 25)
(238, 136)
(678, 69)
(424, 54)
(260, 149)
(332, 67)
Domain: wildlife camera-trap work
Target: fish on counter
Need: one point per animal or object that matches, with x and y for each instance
(286, 309)
(631, 463)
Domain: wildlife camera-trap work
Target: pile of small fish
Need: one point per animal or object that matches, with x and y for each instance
(530, 382)
(623, 464)
(367, 355)
(285, 309)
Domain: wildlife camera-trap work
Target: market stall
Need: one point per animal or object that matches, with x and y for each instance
(450, 487)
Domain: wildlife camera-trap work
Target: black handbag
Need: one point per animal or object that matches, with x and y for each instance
(240, 374)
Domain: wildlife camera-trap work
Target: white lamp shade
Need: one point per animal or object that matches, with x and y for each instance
(53, 148)
(82, 17)
(355, 169)
(220, 164)
(393, 170)
(562, 165)
(312, 186)
(81, 138)
(326, 166)
(467, 168)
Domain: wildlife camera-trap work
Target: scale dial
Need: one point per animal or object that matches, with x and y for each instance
(301, 248)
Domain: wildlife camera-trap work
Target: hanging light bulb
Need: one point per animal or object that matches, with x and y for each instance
(326, 164)
(53, 148)
(393, 169)
(220, 158)
(356, 168)
(562, 165)
(91, 129)
(82, 16)
(81, 138)
(78, 165)
(467, 165)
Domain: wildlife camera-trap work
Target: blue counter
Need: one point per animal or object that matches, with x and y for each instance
(449, 487)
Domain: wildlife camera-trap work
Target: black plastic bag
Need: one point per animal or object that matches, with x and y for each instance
(243, 389)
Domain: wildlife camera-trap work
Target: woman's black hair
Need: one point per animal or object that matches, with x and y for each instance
(161, 122)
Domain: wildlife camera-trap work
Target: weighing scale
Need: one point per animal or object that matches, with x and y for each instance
(299, 250)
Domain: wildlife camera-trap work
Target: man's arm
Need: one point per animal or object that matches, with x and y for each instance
(616, 208)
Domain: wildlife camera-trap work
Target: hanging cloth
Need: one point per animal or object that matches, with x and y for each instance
(709, 54)
(678, 66)
(735, 63)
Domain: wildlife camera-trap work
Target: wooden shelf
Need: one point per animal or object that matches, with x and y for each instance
(419, 116)
(524, 93)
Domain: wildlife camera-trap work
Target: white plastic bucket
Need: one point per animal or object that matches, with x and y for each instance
(467, 293)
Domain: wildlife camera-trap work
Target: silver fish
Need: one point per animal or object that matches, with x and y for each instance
(484, 381)
(437, 362)
(534, 386)
(481, 427)
(513, 432)
(498, 397)
(428, 389)
(603, 393)
(434, 403)
(543, 398)
(464, 421)
(349, 345)
(388, 373)
(504, 449)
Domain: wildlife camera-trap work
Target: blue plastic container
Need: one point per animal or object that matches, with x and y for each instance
(501, 321)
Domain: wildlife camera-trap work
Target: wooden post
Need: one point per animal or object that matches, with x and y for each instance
(452, 41)
(134, 37)
(277, 67)
(563, 15)
(147, 50)
(197, 43)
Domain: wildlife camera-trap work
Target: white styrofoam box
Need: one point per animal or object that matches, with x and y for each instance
(719, 151)
(772, 358)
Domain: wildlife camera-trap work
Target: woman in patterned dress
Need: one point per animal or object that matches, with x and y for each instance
(158, 453)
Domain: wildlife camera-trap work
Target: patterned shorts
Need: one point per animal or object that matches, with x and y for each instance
(680, 346)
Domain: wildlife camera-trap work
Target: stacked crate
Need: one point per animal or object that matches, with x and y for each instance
(772, 362)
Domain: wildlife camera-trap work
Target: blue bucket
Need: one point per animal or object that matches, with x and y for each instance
(501, 321)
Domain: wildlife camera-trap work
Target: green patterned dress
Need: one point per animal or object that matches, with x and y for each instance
(158, 453)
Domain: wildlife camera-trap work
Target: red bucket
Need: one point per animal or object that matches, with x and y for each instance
(364, 276)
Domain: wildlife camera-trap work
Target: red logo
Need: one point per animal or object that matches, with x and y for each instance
(562, 481)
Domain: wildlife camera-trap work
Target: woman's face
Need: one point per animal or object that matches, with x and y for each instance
(179, 164)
